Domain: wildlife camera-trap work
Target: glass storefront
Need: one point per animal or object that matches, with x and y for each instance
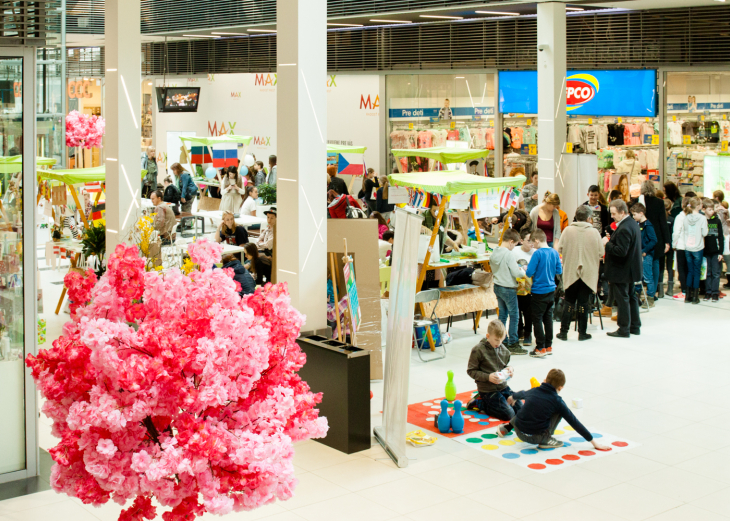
(86, 95)
(49, 110)
(452, 110)
(12, 346)
(697, 125)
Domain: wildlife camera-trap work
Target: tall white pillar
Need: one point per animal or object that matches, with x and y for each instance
(551, 71)
(301, 108)
(123, 107)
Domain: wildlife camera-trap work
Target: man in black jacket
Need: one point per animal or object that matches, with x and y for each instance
(624, 268)
(656, 214)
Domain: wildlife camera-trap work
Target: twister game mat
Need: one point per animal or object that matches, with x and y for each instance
(575, 450)
(423, 414)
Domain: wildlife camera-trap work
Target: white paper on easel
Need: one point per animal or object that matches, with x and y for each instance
(488, 206)
(423, 242)
(459, 201)
(397, 195)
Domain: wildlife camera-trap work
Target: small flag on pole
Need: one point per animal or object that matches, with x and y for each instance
(199, 155)
(508, 197)
(225, 155)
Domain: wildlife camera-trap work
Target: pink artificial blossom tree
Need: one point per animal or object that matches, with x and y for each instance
(83, 130)
(172, 387)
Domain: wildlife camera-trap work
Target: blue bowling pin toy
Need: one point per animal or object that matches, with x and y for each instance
(457, 420)
(444, 420)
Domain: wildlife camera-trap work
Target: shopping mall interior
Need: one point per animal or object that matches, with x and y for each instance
(532, 327)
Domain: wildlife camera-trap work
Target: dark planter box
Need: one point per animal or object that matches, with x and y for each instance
(340, 372)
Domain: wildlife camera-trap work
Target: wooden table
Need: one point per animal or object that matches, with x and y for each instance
(243, 220)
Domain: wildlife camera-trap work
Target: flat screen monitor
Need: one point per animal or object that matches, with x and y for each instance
(178, 99)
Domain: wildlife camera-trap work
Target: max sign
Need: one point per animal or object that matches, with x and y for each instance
(79, 89)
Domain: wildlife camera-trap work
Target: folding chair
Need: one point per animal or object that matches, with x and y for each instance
(594, 304)
(427, 322)
(192, 221)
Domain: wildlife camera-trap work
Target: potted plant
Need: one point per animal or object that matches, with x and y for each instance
(267, 194)
(94, 244)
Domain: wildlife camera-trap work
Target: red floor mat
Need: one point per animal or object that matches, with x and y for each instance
(418, 414)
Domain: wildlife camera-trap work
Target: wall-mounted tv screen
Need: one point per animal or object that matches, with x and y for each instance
(178, 99)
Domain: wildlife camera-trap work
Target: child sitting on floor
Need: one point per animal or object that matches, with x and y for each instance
(489, 367)
(543, 409)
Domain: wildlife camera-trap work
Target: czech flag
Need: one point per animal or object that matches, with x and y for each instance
(225, 155)
(351, 164)
(199, 155)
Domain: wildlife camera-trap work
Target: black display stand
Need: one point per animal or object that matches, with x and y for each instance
(340, 372)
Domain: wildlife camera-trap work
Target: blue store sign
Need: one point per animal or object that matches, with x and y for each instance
(589, 93)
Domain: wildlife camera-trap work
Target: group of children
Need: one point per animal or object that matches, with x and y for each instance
(535, 420)
(524, 269)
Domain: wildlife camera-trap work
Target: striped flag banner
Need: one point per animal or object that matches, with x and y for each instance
(508, 197)
(93, 188)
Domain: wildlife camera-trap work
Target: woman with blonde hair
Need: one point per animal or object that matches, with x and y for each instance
(630, 166)
(546, 217)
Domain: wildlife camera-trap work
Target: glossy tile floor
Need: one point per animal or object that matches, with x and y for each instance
(667, 389)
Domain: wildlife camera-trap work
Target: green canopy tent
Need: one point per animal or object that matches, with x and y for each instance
(14, 164)
(446, 184)
(443, 155)
(77, 176)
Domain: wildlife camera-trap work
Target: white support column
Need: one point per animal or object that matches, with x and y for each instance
(551, 71)
(122, 107)
(301, 108)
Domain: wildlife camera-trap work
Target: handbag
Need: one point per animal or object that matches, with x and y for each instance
(353, 212)
(209, 204)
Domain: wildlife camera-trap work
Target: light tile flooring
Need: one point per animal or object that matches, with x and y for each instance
(668, 389)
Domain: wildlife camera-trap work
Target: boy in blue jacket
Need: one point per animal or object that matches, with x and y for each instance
(544, 266)
(648, 243)
(537, 419)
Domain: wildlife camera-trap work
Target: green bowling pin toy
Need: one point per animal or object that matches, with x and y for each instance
(450, 387)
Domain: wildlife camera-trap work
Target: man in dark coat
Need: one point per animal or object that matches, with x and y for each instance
(624, 268)
(657, 216)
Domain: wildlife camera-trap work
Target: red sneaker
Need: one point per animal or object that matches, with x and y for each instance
(678, 296)
(548, 350)
(722, 295)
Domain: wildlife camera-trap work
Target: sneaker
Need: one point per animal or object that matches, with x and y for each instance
(605, 312)
(651, 302)
(614, 318)
(538, 353)
(562, 336)
(584, 336)
(707, 296)
(516, 349)
(502, 431)
(722, 295)
(549, 350)
(472, 405)
(552, 443)
(678, 296)
(715, 298)
(527, 341)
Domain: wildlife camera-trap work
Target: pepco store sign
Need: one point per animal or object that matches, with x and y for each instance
(581, 88)
(79, 89)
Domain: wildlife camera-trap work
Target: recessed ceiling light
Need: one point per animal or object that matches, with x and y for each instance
(200, 36)
(504, 13)
(346, 25)
(392, 21)
(261, 30)
(578, 8)
(442, 17)
(230, 34)
(460, 77)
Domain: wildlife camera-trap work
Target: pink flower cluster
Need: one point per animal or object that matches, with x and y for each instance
(83, 130)
(172, 387)
(205, 253)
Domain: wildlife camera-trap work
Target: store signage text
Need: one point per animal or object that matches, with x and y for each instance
(211, 77)
(215, 131)
(331, 81)
(262, 141)
(581, 88)
(434, 112)
(368, 104)
(17, 89)
(79, 89)
(236, 95)
(265, 81)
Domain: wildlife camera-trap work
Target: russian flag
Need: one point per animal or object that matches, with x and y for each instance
(199, 155)
(225, 155)
(351, 164)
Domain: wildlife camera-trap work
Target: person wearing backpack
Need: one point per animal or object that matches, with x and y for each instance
(341, 205)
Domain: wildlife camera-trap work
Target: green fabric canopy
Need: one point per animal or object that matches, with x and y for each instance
(78, 176)
(14, 164)
(344, 149)
(453, 182)
(217, 140)
(443, 154)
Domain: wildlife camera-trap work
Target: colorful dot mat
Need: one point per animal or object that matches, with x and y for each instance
(422, 415)
(575, 449)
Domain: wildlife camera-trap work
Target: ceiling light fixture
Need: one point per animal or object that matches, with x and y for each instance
(346, 25)
(442, 17)
(230, 34)
(200, 36)
(392, 21)
(574, 9)
(503, 13)
(460, 77)
(261, 30)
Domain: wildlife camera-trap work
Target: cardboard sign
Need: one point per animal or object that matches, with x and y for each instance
(397, 195)
(569, 148)
(459, 201)
(655, 139)
(533, 150)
